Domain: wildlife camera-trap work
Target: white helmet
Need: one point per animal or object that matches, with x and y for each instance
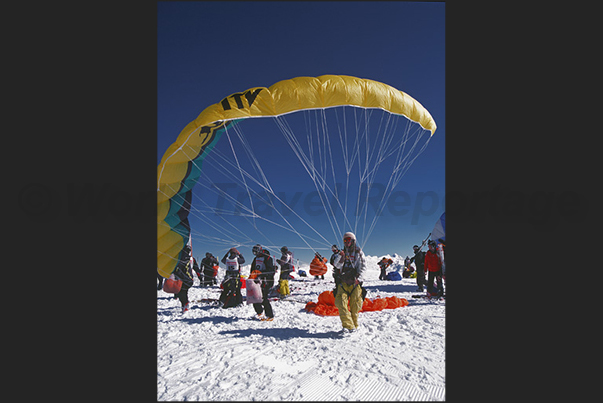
(349, 235)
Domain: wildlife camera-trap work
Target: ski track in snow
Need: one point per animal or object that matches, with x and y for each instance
(211, 353)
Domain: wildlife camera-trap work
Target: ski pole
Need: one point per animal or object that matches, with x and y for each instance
(425, 240)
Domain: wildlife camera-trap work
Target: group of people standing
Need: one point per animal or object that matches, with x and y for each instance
(432, 263)
(206, 272)
(349, 265)
(263, 270)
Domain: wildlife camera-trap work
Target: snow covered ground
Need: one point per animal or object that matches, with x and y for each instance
(210, 353)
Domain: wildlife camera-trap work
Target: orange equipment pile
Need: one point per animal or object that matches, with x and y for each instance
(326, 304)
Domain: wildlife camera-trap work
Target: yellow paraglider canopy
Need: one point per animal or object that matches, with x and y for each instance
(179, 168)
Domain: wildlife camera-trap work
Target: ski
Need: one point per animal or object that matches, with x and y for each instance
(344, 334)
(287, 299)
(206, 300)
(215, 300)
(261, 318)
(430, 297)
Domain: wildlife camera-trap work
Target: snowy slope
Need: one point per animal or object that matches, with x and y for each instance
(211, 353)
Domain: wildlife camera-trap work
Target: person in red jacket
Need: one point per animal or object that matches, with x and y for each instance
(433, 266)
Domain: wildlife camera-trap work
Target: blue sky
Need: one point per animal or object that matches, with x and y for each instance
(209, 50)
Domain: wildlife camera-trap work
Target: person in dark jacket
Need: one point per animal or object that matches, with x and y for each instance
(419, 259)
(262, 264)
(160, 284)
(197, 270)
(207, 265)
(183, 272)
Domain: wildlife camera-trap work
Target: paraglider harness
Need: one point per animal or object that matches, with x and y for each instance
(348, 273)
(265, 275)
(232, 278)
(348, 276)
(232, 293)
(231, 284)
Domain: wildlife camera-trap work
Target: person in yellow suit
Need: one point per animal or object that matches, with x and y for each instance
(350, 263)
(286, 263)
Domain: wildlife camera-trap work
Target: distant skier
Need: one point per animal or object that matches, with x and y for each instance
(264, 269)
(351, 263)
